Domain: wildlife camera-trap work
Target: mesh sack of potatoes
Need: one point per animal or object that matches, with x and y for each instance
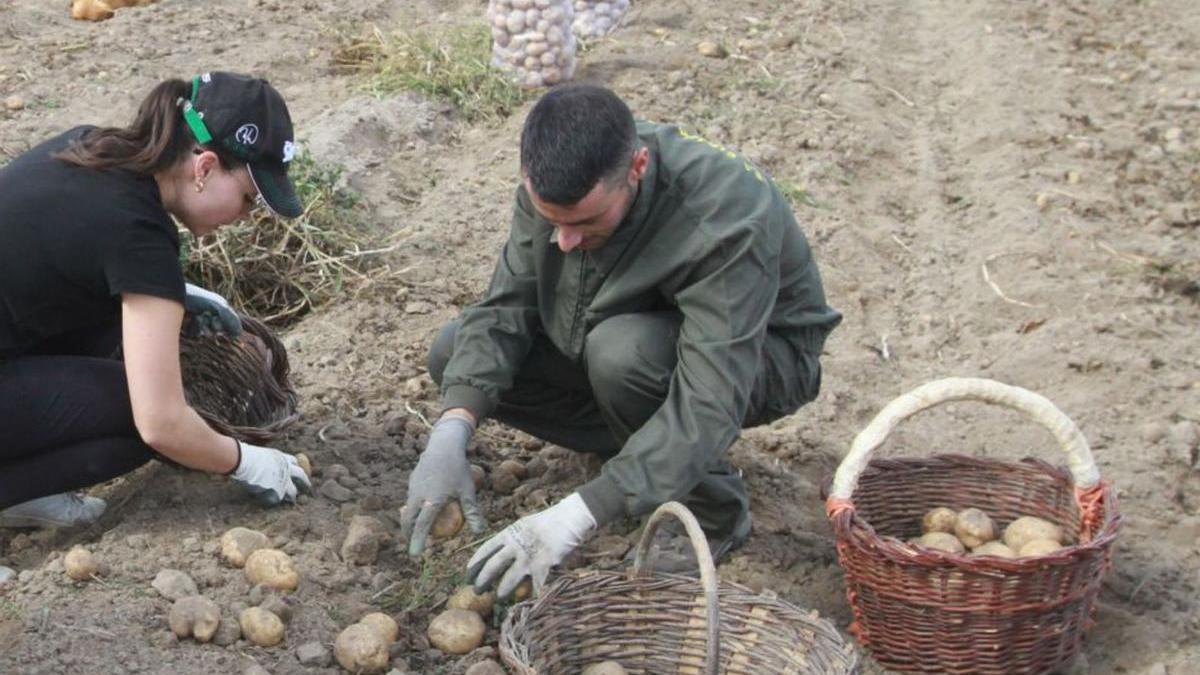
(533, 40)
(597, 18)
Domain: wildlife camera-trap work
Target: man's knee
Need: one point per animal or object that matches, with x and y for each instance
(441, 350)
(635, 351)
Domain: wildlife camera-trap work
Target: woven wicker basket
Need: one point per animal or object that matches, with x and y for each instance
(664, 623)
(922, 610)
(240, 386)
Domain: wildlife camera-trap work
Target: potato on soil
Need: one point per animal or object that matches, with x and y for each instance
(940, 519)
(237, 545)
(605, 668)
(261, 627)
(80, 564)
(91, 10)
(383, 624)
(448, 522)
(514, 467)
(273, 568)
(942, 541)
(194, 616)
(305, 463)
(456, 631)
(996, 548)
(361, 649)
(1027, 528)
(973, 528)
(522, 591)
(1036, 547)
(466, 598)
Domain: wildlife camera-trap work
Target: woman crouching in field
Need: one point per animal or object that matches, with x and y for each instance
(89, 261)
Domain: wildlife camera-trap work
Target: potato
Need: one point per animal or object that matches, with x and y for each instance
(91, 10)
(466, 598)
(194, 616)
(305, 463)
(522, 591)
(605, 668)
(272, 568)
(80, 564)
(995, 548)
(1027, 528)
(488, 667)
(940, 519)
(261, 627)
(478, 476)
(973, 528)
(456, 631)
(511, 465)
(1036, 547)
(942, 541)
(237, 545)
(448, 522)
(361, 649)
(384, 625)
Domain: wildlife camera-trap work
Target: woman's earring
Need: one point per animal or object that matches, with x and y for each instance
(199, 186)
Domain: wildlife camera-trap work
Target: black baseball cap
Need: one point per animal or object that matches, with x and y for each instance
(246, 117)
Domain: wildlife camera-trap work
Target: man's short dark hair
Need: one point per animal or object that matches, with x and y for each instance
(576, 136)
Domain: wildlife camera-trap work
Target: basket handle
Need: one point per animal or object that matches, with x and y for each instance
(708, 572)
(1079, 457)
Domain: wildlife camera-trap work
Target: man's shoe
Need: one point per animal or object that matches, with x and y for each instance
(671, 550)
(62, 510)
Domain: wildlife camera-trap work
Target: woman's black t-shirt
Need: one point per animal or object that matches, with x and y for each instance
(71, 241)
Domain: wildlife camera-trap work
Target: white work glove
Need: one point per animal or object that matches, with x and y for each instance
(209, 313)
(531, 546)
(442, 474)
(270, 475)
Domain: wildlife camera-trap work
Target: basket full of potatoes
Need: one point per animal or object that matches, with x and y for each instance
(958, 564)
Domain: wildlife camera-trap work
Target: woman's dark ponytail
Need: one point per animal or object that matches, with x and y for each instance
(155, 140)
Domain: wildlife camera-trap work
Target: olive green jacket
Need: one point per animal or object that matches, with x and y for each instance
(708, 234)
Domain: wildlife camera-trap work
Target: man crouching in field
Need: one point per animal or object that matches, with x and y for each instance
(655, 296)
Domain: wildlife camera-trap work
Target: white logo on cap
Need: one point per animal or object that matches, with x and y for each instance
(206, 78)
(247, 134)
(289, 151)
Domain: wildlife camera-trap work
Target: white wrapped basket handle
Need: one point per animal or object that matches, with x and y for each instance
(1035, 406)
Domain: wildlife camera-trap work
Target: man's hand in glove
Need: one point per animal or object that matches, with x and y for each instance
(270, 475)
(531, 546)
(442, 474)
(209, 313)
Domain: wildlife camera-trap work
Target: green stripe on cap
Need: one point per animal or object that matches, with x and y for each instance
(194, 122)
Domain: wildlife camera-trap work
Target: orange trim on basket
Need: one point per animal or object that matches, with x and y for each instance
(1091, 508)
(836, 505)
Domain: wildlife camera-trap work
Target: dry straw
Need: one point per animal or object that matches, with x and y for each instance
(279, 269)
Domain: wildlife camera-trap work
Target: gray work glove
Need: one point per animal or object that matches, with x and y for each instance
(530, 547)
(270, 475)
(442, 474)
(209, 313)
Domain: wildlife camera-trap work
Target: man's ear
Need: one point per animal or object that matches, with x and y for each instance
(637, 167)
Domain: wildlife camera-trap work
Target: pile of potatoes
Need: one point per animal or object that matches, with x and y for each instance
(597, 18)
(533, 40)
(971, 529)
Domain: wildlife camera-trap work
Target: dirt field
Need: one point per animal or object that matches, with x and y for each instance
(1053, 144)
